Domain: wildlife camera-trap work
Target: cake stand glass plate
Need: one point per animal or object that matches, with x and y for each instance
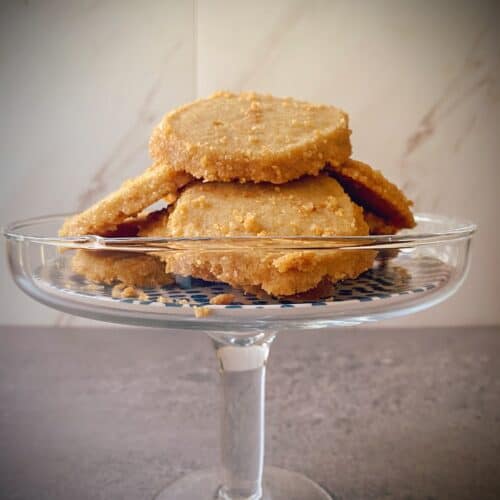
(413, 270)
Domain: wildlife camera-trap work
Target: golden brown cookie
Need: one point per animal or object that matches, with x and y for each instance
(370, 189)
(377, 225)
(311, 206)
(251, 137)
(380, 227)
(104, 217)
(324, 289)
(129, 268)
(277, 274)
(131, 226)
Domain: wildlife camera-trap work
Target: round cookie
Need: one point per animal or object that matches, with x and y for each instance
(110, 267)
(370, 189)
(157, 182)
(324, 289)
(251, 137)
(311, 206)
(377, 225)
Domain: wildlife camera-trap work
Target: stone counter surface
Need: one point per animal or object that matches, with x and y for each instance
(117, 413)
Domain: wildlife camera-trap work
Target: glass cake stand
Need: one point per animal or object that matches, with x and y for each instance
(413, 271)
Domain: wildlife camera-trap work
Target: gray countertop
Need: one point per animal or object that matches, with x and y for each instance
(381, 414)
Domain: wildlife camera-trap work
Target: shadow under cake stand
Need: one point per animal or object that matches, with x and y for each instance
(428, 264)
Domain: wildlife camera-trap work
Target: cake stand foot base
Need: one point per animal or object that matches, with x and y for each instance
(279, 484)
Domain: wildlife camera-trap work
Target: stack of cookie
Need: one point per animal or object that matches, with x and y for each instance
(245, 165)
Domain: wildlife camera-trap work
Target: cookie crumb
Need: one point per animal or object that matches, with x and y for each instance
(122, 291)
(202, 312)
(222, 299)
(130, 291)
(164, 300)
(116, 292)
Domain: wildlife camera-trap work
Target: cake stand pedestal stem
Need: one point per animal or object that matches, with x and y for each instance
(242, 367)
(242, 363)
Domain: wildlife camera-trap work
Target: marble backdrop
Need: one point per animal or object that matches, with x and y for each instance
(82, 84)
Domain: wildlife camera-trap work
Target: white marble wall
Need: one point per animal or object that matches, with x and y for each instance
(81, 85)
